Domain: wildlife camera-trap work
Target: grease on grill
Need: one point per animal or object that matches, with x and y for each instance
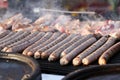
(13, 70)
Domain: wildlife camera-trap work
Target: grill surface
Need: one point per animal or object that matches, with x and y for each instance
(56, 68)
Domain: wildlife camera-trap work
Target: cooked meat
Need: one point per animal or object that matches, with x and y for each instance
(72, 54)
(59, 39)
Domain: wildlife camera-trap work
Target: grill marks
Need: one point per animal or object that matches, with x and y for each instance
(59, 39)
(96, 54)
(70, 48)
(66, 59)
(22, 46)
(6, 37)
(78, 60)
(40, 41)
(57, 53)
(17, 38)
(21, 41)
(46, 53)
(52, 38)
(109, 53)
(55, 45)
(4, 33)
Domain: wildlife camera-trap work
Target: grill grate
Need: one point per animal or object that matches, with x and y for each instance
(56, 68)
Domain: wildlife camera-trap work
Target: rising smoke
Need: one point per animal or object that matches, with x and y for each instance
(32, 8)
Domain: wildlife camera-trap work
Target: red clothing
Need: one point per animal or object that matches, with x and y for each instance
(3, 4)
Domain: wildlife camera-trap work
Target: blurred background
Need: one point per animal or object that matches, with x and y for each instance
(109, 9)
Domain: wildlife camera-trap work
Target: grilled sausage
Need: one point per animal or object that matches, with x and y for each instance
(11, 37)
(14, 40)
(66, 59)
(92, 57)
(4, 33)
(42, 19)
(10, 20)
(78, 60)
(109, 53)
(54, 36)
(46, 53)
(19, 48)
(21, 41)
(39, 42)
(7, 36)
(66, 51)
(60, 38)
(56, 54)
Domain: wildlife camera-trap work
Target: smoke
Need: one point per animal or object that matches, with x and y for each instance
(32, 8)
(37, 7)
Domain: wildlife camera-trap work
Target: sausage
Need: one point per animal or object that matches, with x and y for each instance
(21, 47)
(59, 39)
(56, 54)
(24, 27)
(66, 59)
(54, 36)
(7, 36)
(109, 53)
(70, 48)
(93, 56)
(97, 35)
(4, 33)
(42, 40)
(10, 20)
(11, 37)
(78, 60)
(116, 35)
(42, 19)
(46, 53)
(21, 41)
(14, 40)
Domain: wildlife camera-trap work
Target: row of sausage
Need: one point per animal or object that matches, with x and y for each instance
(60, 46)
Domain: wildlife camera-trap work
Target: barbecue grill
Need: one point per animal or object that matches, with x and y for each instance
(33, 13)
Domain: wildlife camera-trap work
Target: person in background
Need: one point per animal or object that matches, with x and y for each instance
(3, 7)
